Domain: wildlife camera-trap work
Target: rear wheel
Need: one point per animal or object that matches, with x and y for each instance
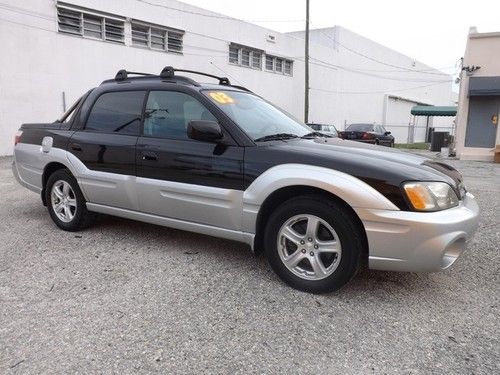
(65, 202)
(313, 244)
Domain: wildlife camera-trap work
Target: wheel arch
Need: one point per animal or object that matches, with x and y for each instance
(285, 181)
(278, 197)
(49, 169)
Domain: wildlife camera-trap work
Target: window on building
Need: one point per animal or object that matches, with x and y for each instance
(245, 56)
(279, 65)
(117, 112)
(168, 114)
(90, 25)
(157, 38)
(234, 54)
(269, 63)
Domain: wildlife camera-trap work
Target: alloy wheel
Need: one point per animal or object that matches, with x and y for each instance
(309, 247)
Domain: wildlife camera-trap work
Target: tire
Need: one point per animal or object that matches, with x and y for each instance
(338, 267)
(377, 142)
(62, 190)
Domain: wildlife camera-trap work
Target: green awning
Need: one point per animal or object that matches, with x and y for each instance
(432, 110)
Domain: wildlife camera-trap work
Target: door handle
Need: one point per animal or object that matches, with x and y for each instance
(75, 147)
(149, 155)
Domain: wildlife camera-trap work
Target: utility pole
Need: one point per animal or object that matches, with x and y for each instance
(306, 88)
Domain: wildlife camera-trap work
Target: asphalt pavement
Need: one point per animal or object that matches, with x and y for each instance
(126, 297)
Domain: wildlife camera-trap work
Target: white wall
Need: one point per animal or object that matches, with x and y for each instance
(371, 76)
(39, 64)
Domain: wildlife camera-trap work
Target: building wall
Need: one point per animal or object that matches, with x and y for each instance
(482, 49)
(40, 64)
(380, 85)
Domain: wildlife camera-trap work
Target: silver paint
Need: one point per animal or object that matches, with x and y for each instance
(63, 201)
(307, 248)
(419, 241)
(209, 230)
(398, 240)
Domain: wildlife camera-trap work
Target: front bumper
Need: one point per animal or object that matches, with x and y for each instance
(419, 241)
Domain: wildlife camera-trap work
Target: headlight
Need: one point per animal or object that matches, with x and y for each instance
(430, 196)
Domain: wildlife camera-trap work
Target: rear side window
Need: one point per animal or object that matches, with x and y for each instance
(168, 114)
(117, 112)
(360, 127)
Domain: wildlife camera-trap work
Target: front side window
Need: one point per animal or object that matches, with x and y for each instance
(117, 112)
(256, 117)
(168, 114)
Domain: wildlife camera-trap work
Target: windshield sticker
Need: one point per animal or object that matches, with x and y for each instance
(221, 97)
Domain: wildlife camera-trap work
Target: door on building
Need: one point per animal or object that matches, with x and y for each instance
(481, 129)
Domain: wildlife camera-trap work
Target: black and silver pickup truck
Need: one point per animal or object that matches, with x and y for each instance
(219, 160)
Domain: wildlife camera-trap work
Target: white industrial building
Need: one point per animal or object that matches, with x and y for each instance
(54, 51)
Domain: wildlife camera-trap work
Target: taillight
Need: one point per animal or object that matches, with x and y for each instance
(17, 137)
(368, 136)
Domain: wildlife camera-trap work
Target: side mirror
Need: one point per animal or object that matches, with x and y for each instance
(387, 133)
(208, 131)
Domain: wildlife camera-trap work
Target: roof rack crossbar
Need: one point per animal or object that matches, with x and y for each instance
(122, 75)
(169, 72)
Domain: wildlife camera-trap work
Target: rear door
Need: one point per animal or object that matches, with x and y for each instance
(105, 148)
(181, 178)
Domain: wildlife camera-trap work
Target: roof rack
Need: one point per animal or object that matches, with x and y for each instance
(122, 75)
(169, 72)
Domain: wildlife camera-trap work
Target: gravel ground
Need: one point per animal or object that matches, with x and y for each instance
(127, 297)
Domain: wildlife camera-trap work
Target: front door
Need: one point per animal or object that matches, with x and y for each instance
(181, 178)
(481, 127)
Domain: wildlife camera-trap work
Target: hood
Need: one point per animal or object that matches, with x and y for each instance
(383, 168)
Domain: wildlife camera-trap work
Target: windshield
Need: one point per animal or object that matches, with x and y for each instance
(360, 127)
(256, 117)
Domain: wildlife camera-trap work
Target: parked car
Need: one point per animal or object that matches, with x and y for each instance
(218, 160)
(330, 130)
(368, 133)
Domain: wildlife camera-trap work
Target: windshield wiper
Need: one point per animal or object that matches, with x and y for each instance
(317, 134)
(276, 137)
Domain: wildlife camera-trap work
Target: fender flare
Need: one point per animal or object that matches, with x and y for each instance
(350, 189)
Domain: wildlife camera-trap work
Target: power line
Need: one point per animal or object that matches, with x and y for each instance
(26, 12)
(319, 62)
(377, 92)
(356, 71)
(326, 64)
(376, 60)
(217, 16)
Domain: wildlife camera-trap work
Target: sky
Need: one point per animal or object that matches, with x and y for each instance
(433, 32)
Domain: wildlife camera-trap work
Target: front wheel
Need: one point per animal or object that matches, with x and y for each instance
(313, 244)
(65, 202)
